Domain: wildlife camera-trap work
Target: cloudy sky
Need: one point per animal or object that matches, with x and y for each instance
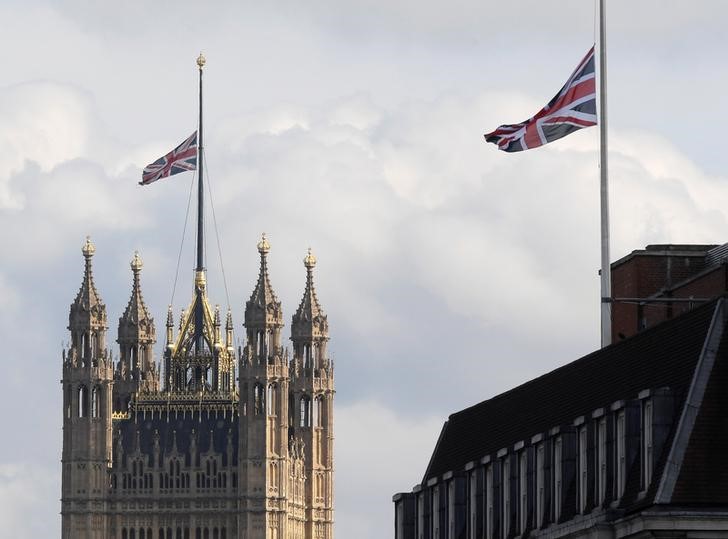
(450, 271)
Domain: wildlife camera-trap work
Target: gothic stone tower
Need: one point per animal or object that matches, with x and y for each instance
(197, 456)
(312, 393)
(87, 387)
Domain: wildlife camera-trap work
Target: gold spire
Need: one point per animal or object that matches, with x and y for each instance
(201, 61)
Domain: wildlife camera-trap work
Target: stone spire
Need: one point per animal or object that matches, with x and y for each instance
(87, 315)
(87, 300)
(309, 309)
(263, 308)
(309, 322)
(136, 311)
(136, 338)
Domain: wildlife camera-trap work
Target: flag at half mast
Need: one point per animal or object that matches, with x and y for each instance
(573, 108)
(181, 159)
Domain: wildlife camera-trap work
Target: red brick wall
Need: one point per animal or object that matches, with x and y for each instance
(644, 275)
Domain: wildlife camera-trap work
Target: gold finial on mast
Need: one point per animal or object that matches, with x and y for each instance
(200, 61)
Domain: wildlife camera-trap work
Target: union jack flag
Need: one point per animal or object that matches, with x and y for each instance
(181, 159)
(574, 107)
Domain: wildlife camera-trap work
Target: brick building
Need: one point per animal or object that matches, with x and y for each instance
(656, 283)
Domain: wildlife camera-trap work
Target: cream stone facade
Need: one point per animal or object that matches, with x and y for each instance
(211, 443)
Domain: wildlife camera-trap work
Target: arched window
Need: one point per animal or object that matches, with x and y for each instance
(258, 399)
(305, 411)
(95, 402)
(123, 533)
(142, 534)
(132, 533)
(307, 356)
(272, 399)
(83, 401)
(318, 411)
(69, 401)
(84, 345)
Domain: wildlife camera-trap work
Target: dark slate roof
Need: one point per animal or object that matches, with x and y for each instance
(703, 475)
(662, 356)
(181, 427)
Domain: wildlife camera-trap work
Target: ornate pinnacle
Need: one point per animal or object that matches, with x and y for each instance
(263, 245)
(88, 249)
(201, 61)
(136, 262)
(310, 260)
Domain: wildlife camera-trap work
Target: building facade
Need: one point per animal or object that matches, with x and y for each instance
(627, 442)
(209, 443)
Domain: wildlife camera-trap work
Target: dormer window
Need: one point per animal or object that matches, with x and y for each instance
(647, 442)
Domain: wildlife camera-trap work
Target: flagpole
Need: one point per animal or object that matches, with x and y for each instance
(606, 285)
(200, 269)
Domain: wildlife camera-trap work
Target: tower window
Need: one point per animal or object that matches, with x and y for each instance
(272, 399)
(318, 409)
(258, 399)
(95, 402)
(305, 411)
(83, 401)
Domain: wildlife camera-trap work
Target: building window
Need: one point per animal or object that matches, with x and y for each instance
(258, 399)
(318, 411)
(421, 515)
(305, 411)
(646, 443)
(506, 498)
(473, 505)
(451, 507)
(95, 402)
(620, 457)
(435, 513)
(583, 476)
(83, 401)
(489, 499)
(558, 478)
(272, 399)
(540, 487)
(601, 461)
(523, 491)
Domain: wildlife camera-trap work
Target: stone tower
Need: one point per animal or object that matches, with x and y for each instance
(269, 459)
(87, 395)
(312, 393)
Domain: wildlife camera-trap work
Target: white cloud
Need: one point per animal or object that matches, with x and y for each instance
(28, 494)
(377, 453)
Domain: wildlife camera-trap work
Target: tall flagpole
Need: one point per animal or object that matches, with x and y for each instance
(200, 269)
(606, 275)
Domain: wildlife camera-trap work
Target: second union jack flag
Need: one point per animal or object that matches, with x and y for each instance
(574, 107)
(181, 159)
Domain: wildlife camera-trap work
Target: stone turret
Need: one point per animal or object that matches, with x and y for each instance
(264, 409)
(136, 369)
(87, 387)
(312, 394)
